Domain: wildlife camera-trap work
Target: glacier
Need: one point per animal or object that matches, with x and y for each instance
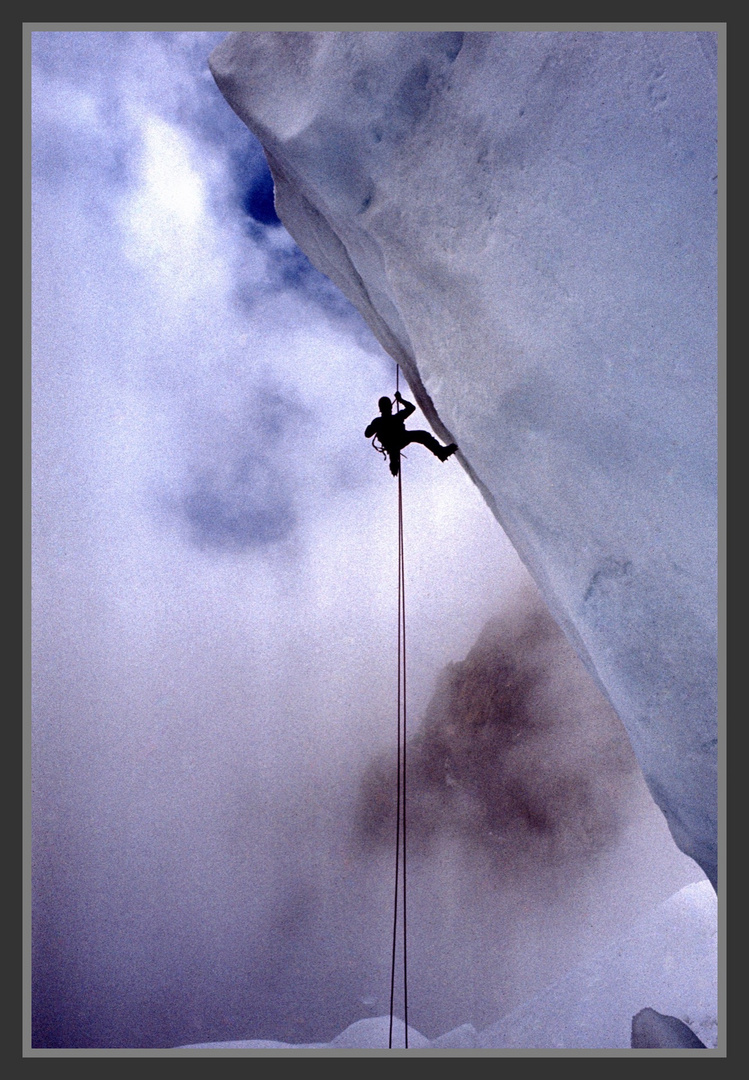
(527, 220)
(668, 959)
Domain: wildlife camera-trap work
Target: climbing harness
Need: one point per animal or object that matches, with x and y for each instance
(400, 808)
(378, 446)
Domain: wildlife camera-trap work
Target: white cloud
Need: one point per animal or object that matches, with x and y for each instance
(166, 218)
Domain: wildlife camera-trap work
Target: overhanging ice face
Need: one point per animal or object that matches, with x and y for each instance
(528, 222)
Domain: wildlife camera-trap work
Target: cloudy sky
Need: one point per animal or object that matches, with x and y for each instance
(214, 581)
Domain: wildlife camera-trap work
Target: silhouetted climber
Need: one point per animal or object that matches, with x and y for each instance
(389, 430)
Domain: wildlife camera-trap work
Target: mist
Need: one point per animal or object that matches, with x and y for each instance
(214, 611)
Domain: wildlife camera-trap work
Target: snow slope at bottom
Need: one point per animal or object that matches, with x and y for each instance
(668, 961)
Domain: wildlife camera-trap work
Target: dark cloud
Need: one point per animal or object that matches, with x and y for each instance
(73, 137)
(244, 510)
(240, 488)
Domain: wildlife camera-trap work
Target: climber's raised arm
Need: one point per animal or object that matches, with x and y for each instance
(408, 408)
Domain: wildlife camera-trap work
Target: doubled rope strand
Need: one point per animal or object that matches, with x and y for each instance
(400, 807)
(397, 802)
(402, 592)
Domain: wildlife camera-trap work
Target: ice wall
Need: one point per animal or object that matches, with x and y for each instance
(528, 222)
(593, 1005)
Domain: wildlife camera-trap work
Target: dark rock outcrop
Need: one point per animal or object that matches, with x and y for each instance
(654, 1030)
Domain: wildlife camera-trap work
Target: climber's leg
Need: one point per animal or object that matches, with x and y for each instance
(423, 437)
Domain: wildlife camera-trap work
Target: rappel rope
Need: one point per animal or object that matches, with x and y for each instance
(400, 809)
